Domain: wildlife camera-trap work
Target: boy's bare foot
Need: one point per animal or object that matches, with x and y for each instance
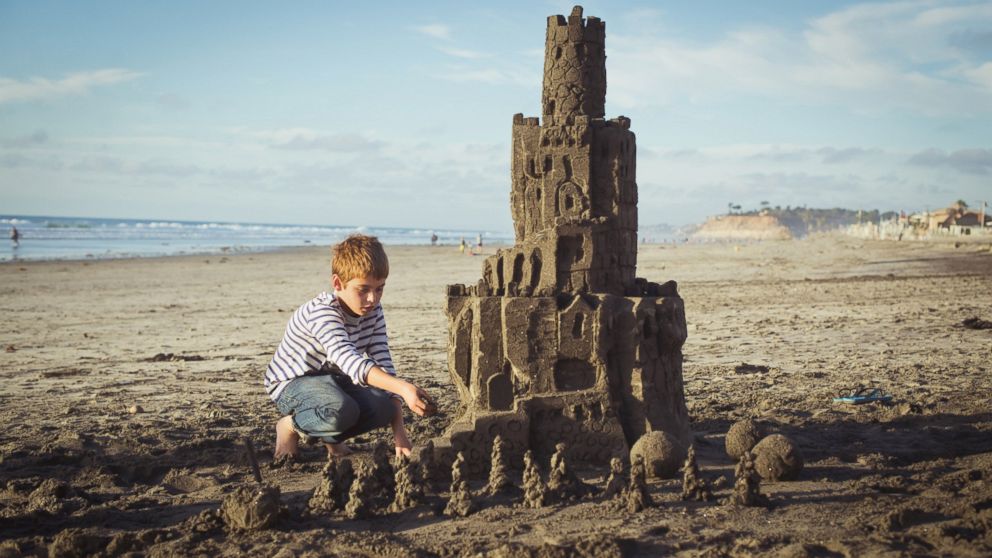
(337, 450)
(287, 440)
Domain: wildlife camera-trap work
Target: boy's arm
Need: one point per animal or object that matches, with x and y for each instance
(378, 349)
(327, 325)
(400, 437)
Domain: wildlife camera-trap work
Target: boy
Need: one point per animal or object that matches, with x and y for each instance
(332, 376)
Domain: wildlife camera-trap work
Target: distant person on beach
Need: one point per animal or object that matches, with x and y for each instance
(332, 376)
(433, 239)
(478, 241)
(462, 246)
(15, 237)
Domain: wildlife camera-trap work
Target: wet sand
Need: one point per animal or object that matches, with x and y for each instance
(130, 386)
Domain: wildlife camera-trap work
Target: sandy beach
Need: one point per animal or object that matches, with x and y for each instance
(130, 386)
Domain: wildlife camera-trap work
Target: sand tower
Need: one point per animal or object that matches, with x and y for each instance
(559, 341)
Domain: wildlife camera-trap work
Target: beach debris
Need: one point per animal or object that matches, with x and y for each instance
(409, 492)
(661, 452)
(694, 486)
(777, 458)
(535, 492)
(742, 436)
(251, 508)
(331, 492)
(171, 357)
(616, 483)
(863, 394)
(460, 502)
(252, 460)
(383, 476)
(563, 485)
(636, 497)
(745, 368)
(499, 476)
(976, 323)
(747, 484)
(362, 494)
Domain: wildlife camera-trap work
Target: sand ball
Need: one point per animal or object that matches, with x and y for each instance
(251, 507)
(776, 457)
(743, 436)
(662, 453)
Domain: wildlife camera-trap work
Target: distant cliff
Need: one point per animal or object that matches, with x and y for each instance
(742, 227)
(782, 224)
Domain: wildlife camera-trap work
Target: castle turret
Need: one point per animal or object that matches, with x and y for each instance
(574, 68)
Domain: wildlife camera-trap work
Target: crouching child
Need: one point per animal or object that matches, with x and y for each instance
(332, 376)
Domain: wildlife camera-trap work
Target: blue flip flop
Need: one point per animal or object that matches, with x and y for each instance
(863, 394)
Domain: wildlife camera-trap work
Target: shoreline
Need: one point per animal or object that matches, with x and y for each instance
(229, 253)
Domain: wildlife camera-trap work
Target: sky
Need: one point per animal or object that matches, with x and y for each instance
(399, 114)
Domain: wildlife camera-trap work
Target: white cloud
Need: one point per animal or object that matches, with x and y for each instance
(971, 161)
(872, 57)
(435, 30)
(981, 75)
(307, 139)
(489, 75)
(79, 83)
(463, 53)
(39, 137)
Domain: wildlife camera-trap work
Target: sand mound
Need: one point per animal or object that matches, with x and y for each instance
(72, 543)
(776, 458)
(743, 436)
(662, 453)
(250, 508)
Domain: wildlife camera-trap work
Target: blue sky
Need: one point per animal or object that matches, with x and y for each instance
(398, 114)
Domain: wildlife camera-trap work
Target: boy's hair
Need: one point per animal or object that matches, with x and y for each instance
(359, 255)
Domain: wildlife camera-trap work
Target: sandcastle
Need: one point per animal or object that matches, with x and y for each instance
(560, 341)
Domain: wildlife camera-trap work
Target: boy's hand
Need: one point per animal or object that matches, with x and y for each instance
(418, 401)
(414, 397)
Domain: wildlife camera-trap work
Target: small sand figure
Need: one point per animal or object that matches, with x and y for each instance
(331, 493)
(562, 482)
(636, 497)
(362, 496)
(617, 482)
(430, 473)
(535, 492)
(747, 484)
(460, 501)
(409, 491)
(694, 486)
(499, 477)
(383, 477)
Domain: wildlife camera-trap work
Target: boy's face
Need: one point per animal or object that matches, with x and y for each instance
(360, 294)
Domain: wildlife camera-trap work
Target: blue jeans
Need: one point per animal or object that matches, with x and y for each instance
(331, 408)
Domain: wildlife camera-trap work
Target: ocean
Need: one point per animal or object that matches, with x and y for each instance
(64, 238)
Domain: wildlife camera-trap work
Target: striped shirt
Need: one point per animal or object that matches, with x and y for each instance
(322, 333)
